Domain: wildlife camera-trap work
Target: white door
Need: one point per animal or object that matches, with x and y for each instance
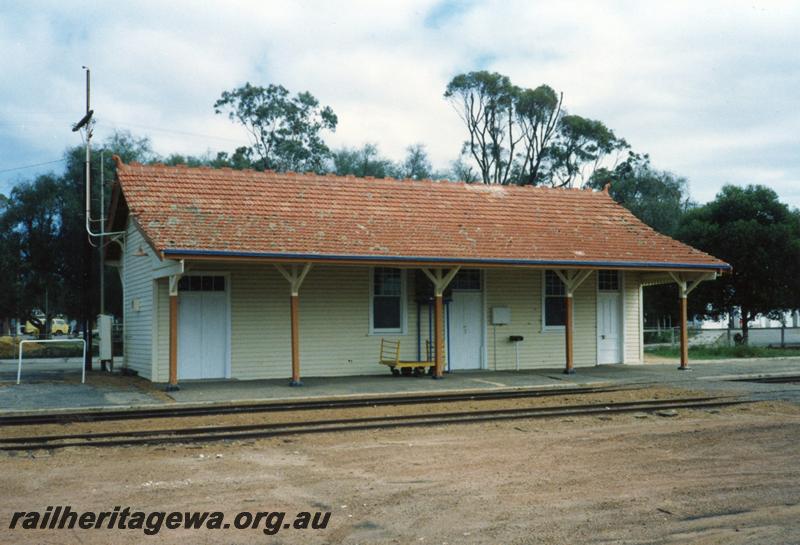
(609, 327)
(465, 330)
(202, 334)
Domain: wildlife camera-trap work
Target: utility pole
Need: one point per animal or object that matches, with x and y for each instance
(87, 247)
(101, 248)
(102, 238)
(86, 269)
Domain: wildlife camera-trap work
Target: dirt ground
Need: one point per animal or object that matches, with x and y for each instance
(725, 476)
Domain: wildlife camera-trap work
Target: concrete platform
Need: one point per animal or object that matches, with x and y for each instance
(56, 385)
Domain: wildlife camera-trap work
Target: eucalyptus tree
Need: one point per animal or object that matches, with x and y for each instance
(285, 131)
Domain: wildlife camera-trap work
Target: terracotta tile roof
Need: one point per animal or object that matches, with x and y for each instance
(202, 210)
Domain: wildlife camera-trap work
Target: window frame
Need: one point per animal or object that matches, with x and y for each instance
(544, 297)
(403, 305)
(600, 287)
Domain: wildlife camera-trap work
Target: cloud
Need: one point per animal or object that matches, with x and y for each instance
(707, 89)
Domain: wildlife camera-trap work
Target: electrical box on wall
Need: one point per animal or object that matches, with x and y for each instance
(135, 305)
(501, 315)
(104, 329)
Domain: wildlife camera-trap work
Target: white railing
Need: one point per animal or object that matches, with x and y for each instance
(34, 341)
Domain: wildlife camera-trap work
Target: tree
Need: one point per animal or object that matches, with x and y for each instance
(581, 146)
(463, 171)
(31, 226)
(485, 101)
(658, 198)
(760, 237)
(524, 136)
(416, 164)
(10, 273)
(362, 162)
(284, 130)
(538, 112)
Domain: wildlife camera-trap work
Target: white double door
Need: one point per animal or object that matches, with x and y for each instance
(466, 330)
(202, 334)
(609, 327)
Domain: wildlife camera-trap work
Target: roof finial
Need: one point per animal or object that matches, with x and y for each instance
(117, 160)
(606, 188)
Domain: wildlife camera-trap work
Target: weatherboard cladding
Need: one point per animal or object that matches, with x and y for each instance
(227, 212)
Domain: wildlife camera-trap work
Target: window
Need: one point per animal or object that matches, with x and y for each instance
(467, 279)
(608, 280)
(201, 283)
(555, 301)
(388, 300)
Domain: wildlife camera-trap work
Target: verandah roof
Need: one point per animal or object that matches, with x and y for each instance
(219, 213)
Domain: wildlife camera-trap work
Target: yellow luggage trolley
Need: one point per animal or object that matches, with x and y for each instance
(390, 356)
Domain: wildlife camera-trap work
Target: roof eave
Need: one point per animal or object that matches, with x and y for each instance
(408, 261)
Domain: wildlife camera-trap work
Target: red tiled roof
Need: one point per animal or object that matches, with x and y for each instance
(192, 211)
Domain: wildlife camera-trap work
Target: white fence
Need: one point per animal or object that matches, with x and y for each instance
(757, 336)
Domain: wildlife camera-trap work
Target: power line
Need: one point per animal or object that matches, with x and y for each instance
(111, 124)
(31, 166)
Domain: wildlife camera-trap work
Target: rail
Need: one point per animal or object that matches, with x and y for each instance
(186, 435)
(168, 411)
(37, 341)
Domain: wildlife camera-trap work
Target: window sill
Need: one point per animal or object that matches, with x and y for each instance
(386, 332)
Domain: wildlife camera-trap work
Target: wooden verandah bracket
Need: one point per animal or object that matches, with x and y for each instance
(295, 277)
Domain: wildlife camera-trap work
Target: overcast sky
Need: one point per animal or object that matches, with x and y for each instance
(709, 89)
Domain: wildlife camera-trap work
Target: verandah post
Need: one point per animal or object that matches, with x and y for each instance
(684, 332)
(295, 279)
(440, 281)
(172, 385)
(438, 335)
(569, 368)
(685, 286)
(294, 303)
(572, 281)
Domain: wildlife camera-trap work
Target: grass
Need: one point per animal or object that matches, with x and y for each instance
(724, 352)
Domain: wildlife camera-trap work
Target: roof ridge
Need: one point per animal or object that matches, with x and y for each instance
(327, 176)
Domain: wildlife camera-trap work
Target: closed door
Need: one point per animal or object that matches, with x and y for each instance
(466, 334)
(202, 334)
(609, 328)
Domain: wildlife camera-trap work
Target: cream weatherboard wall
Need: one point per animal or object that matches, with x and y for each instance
(521, 291)
(632, 317)
(334, 323)
(138, 301)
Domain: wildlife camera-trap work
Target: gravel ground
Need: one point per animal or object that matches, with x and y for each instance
(706, 476)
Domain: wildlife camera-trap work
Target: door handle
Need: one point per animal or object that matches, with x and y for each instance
(602, 336)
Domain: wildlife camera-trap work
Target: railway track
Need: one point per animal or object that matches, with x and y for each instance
(793, 379)
(266, 430)
(303, 405)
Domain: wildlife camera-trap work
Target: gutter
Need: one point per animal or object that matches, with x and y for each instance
(175, 253)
